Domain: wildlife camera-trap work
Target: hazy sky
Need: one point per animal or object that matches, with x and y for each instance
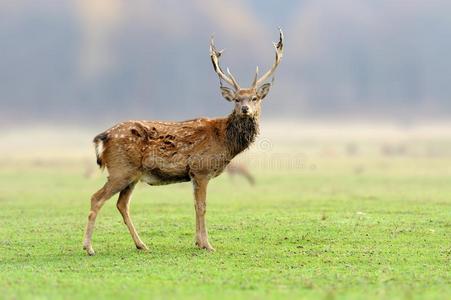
(99, 61)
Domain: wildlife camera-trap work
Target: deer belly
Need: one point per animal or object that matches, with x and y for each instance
(158, 177)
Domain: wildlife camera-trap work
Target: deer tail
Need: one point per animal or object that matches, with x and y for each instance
(99, 145)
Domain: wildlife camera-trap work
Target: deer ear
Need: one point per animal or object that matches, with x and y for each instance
(227, 93)
(263, 90)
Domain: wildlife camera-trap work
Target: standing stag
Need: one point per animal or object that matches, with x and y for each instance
(169, 152)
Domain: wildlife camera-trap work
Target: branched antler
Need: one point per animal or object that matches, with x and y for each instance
(279, 54)
(215, 55)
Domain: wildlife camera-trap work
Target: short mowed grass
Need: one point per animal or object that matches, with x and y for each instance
(332, 230)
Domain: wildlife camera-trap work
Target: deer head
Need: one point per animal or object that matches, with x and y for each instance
(247, 100)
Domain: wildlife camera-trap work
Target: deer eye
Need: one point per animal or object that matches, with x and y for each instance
(254, 98)
(237, 100)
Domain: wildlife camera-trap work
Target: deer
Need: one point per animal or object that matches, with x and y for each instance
(240, 169)
(197, 150)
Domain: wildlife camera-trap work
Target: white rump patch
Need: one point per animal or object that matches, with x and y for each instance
(99, 148)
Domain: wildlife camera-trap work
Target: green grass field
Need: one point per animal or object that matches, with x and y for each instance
(322, 231)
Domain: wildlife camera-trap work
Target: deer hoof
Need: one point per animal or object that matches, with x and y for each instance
(142, 247)
(206, 246)
(89, 250)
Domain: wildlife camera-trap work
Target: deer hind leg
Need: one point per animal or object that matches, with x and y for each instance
(123, 207)
(200, 204)
(97, 200)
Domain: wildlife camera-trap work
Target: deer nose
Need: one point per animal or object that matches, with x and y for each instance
(245, 109)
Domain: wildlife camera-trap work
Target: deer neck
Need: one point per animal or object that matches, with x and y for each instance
(241, 132)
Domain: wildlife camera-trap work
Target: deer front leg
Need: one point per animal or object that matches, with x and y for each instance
(200, 204)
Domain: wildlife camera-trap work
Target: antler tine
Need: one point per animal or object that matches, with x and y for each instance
(254, 83)
(235, 83)
(215, 55)
(279, 54)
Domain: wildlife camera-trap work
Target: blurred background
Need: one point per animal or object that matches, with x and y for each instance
(345, 194)
(365, 68)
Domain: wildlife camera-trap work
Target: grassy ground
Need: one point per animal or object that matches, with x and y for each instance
(332, 229)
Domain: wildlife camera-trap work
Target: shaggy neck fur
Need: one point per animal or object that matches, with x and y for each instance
(241, 132)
